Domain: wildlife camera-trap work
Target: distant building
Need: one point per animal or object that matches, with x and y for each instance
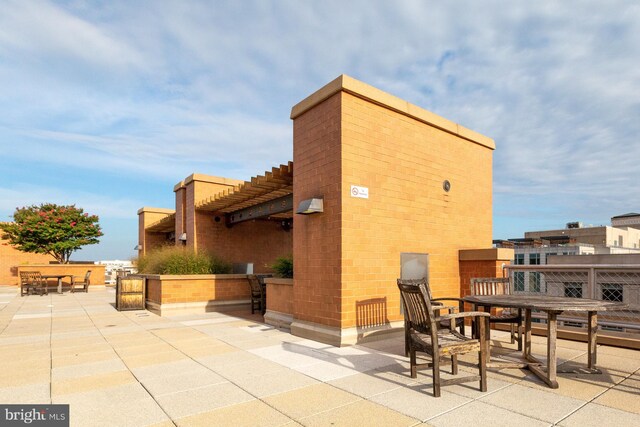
(622, 237)
(116, 267)
(546, 247)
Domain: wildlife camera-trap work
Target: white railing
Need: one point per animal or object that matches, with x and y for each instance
(595, 281)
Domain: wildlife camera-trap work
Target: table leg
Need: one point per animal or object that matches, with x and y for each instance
(593, 338)
(552, 335)
(549, 374)
(487, 332)
(59, 285)
(526, 348)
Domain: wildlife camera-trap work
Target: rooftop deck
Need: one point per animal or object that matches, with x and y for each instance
(135, 368)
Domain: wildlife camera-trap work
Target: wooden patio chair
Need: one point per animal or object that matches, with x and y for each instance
(438, 308)
(83, 284)
(425, 336)
(31, 282)
(258, 297)
(500, 286)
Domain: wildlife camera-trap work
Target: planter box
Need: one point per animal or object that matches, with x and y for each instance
(279, 302)
(130, 293)
(196, 293)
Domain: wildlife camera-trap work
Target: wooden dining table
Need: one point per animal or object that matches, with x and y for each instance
(59, 277)
(552, 306)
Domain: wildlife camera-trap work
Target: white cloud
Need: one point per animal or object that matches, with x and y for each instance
(40, 30)
(96, 203)
(169, 88)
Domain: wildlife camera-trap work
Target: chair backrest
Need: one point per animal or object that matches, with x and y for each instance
(86, 276)
(261, 278)
(417, 305)
(490, 286)
(30, 277)
(417, 282)
(24, 278)
(256, 287)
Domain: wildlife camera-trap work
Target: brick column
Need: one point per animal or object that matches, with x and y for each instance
(482, 263)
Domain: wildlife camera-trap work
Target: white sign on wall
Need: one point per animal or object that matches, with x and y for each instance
(360, 192)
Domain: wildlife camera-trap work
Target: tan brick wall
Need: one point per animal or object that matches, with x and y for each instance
(11, 258)
(280, 296)
(150, 240)
(259, 241)
(78, 270)
(317, 244)
(473, 269)
(199, 187)
(181, 212)
(482, 263)
(350, 254)
(404, 162)
(177, 289)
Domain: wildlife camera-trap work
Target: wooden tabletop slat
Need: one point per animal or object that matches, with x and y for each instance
(546, 302)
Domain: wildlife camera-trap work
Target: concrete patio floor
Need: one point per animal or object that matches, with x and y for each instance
(135, 368)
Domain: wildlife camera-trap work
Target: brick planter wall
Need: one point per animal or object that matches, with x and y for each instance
(172, 294)
(279, 302)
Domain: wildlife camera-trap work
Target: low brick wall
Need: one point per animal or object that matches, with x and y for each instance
(78, 270)
(176, 294)
(279, 302)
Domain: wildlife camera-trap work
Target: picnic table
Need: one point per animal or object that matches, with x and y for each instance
(552, 306)
(59, 277)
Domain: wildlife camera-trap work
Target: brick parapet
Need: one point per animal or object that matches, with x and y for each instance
(11, 259)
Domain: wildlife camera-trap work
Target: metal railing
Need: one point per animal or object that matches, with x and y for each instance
(620, 283)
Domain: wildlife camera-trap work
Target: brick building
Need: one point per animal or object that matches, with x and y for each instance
(393, 178)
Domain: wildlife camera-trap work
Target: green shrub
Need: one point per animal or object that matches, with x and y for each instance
(284, 266)
(177, 260)
(220, 266)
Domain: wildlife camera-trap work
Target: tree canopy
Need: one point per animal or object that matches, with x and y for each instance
(51, 229)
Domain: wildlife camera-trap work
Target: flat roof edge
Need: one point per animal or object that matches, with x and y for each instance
(212, 179)
(147, 209)
(345, 83)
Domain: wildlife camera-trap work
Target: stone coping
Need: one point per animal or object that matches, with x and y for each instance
(278, 281)
(488, 254)
(193, 276)
(148, 209)
(362, 90)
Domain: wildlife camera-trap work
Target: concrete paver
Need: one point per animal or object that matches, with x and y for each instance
(135, 368)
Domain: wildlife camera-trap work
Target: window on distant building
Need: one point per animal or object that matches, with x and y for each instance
(620, 241)
(573, 289)
(519, 259)
(534, 259)
(534, 282)
(612, 292)
(518, 281)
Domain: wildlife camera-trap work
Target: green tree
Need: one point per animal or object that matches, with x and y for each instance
(51, 229)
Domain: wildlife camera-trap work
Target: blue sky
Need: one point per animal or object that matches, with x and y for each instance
(108, 104)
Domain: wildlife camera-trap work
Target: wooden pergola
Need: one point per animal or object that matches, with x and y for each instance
(264, 196)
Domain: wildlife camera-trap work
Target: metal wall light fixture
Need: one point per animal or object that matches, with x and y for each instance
(310, 206)
(138, 247)
(183, 237)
